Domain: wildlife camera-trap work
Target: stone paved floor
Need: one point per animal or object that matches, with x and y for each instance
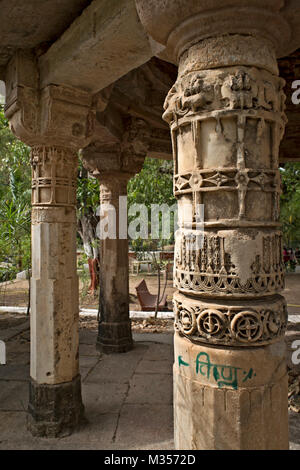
(128, 397)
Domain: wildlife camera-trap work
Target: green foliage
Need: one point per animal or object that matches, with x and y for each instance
(87, 192)
(15, 182)
(290, 203)
(153, 185)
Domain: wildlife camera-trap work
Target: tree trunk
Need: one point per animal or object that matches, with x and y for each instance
(87, 231)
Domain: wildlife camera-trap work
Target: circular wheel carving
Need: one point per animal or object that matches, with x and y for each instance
(186, 320)
(273, 322)
(211, 323)
(247, 326)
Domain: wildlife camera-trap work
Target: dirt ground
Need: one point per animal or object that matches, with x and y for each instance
(16, 293)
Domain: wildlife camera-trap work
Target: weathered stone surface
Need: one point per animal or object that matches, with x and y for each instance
(239, 323)
(114, 38)
(148, 366)
(24, 25)
(225, 399)
(55, 122)
(226, 114)
(54, 410)
(150, 388)
(54, 283)
(114, 165)
(13, 394)
(136, 421)
(182, 24)
(15, 371)
(117, 368)
(99, 399)
(114, 337)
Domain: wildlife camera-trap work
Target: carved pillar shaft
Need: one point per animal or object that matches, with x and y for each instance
(55, 405)
(114, 164)
(114, 324)
(55, 122)
(227, 119)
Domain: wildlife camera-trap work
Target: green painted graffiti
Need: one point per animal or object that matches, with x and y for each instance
(224, 375)
(181, 362)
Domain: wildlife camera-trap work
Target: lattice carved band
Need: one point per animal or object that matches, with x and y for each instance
(216, 266)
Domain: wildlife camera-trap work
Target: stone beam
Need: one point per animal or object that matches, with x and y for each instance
(103, 44)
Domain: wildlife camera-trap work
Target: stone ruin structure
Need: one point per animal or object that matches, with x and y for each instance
(110, 78)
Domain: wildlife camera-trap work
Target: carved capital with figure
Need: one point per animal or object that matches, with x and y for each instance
(55, 115)
(120, 160)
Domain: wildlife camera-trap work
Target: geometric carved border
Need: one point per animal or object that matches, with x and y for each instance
(248, 325)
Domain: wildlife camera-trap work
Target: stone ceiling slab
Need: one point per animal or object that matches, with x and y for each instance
(27, 24)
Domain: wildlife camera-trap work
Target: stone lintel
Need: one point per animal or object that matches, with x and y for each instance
(114, 38)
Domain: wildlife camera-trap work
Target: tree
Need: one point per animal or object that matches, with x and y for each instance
(87, 203)
(290, 202)
(15, 194)
(153, 185)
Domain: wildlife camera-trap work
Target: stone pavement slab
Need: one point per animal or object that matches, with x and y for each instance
(144, 426)
(127, 398)
(13, 395)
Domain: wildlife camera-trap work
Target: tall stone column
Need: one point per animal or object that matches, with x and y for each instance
(114, 334)
(226, 114)
(114, 165)
(55, 404)
(230, 379)
(55, 122)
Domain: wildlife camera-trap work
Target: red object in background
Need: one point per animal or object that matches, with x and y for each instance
(94, 274)
(286, 256)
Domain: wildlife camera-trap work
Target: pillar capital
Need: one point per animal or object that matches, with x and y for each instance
(180, 24)
(119, 160)
(55, 115)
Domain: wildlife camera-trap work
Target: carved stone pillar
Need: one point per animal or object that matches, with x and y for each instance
(230, 381)
(54, 122)
(55, 391)
(114, 334)
(114, 166)
(226, 113)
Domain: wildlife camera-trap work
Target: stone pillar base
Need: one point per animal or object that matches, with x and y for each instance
(114, 337)
(230, 398)
(54, 410)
